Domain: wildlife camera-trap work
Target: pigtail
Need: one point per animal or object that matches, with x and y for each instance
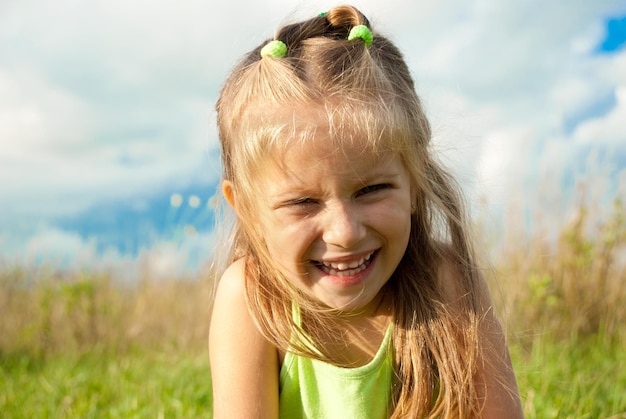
(344, 18)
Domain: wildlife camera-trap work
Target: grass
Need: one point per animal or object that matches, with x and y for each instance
(577, 379)
(571, 379)
(135, 385)
(81, 345)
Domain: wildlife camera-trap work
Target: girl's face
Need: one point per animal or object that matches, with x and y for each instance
(336, 222)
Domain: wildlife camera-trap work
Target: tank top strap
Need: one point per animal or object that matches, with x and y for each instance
(296, 315)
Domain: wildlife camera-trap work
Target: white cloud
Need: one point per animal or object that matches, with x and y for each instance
(58, 247)
(163, 260)
(38, 118)
(609, 129)
(168, 259)
(111, 94)
(501, 151)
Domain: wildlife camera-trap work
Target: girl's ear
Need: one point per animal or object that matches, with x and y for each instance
(229, 193)
(413, 200)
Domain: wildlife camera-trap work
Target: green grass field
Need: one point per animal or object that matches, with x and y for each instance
(137, 385)
(576, 379)
(557, 380)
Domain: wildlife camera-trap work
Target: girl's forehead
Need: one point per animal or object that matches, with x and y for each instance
(333, 114)
(317, 144)
(321, 131)
(328, 126)
(320, 155)
(294, 115)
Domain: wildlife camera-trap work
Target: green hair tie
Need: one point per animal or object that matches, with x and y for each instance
(323, 14)
(274, 48)
(363, 32)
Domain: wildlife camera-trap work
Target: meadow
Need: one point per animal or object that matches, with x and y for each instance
(87, 345)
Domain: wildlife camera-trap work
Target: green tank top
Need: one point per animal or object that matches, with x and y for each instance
(313, 389)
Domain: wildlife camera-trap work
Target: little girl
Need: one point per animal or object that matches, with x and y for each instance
(353, 290)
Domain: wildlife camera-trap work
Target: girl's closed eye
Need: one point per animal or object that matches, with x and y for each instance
(373, 188)
(301, 202)
(301, 205)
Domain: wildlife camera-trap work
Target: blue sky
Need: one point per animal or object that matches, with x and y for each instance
(106, 112)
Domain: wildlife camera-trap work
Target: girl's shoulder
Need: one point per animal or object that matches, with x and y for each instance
(244, 364)
(449, 276)
(232, 281)
(230, 315)
(453, 283)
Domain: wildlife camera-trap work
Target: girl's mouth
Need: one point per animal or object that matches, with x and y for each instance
(346, 268)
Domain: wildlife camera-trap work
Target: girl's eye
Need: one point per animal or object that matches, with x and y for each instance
(373, 188)
(301, 202)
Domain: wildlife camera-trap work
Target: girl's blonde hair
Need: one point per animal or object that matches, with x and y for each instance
(369, 98)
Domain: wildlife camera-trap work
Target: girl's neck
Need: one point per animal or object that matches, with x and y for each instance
(356, 336)
(378, 306)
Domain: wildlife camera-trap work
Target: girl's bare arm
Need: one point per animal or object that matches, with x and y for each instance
(244, 365)
(496, 375)
(495, 378)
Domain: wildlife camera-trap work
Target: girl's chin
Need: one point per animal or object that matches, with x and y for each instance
(355, 304)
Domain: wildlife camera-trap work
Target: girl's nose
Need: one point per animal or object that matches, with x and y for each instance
(342, 226)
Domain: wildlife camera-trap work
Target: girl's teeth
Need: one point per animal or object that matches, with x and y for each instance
(344, 266)
(349, 272)
(346, 269)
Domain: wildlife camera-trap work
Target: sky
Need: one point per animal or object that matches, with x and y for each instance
(108, 147)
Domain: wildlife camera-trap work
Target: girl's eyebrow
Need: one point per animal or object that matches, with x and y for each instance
(381, 172)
